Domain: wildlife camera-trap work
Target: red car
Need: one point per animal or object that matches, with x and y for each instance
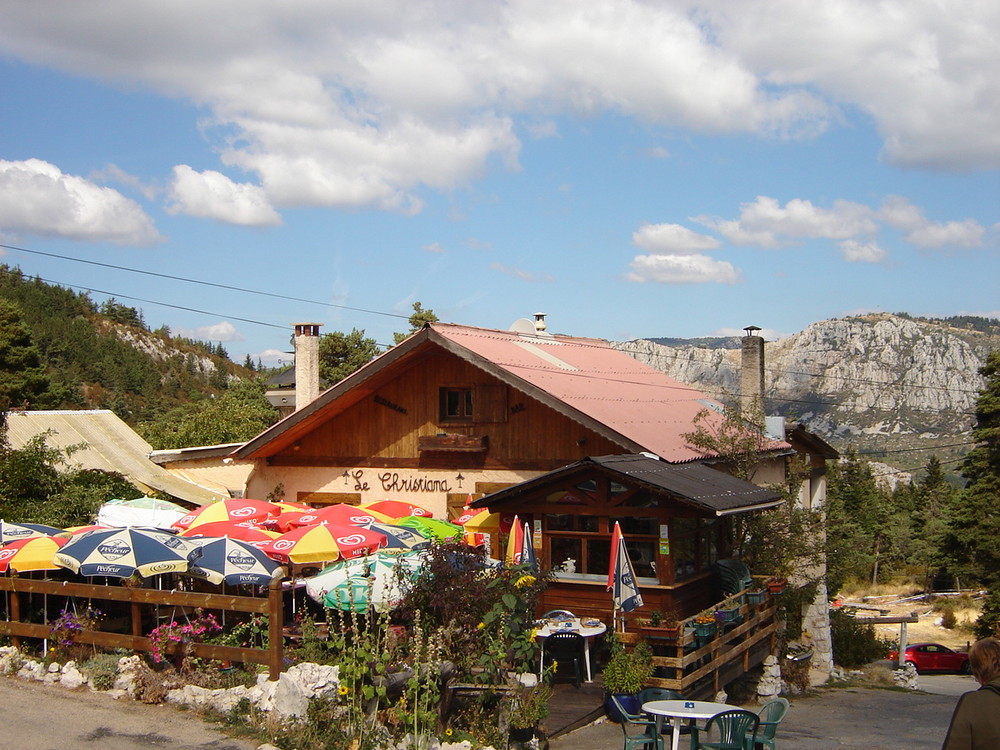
(933, 657)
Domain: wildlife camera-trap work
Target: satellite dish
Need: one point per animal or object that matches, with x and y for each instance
(523, 325)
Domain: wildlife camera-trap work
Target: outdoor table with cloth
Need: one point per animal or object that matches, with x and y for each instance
(589, 631)
(679, 710)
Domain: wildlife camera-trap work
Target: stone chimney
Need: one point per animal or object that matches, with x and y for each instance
(752, 373)
(306, 363)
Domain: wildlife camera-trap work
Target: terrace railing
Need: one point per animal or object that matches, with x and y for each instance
(18, 623)
(690, 662)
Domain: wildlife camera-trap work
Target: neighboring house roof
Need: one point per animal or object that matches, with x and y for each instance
(586, 380)
(106, 443)
(693, 484)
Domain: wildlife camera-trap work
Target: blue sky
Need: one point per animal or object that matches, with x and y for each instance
(632, 169)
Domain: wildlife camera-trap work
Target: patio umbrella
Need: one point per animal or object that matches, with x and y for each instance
(397, 508)
(120, 553)
(254, 535)
(341, 513)
(142, 511)
(621, 576)
(398, 538)
(12, 532)
(515, 544)
(431, 528)
(253, 512)
(481, 521)
(231, 561)
(528, 556)
(378, 581)
(34, 553)
(323, 543)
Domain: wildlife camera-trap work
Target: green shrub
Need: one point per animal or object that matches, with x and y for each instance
(855, 643)
(101, 670)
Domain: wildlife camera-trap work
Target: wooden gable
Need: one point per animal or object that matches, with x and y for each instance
(397, 422)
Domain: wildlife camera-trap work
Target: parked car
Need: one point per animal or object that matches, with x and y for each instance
(933, 657)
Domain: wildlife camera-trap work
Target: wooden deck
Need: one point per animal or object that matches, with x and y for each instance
(572, 708)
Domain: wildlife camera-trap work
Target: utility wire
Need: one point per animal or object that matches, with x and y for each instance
(659, 355)
(202, 283)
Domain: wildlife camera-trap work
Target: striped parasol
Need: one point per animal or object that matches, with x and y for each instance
(342, 514)
(12, 532)
(35, 553)
(253, 512)
(324, 543)
(121, 553)
(397, 508)
(231, 561)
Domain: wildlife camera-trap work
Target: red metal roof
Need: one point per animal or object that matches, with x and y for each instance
(587, 380)
(641, 404)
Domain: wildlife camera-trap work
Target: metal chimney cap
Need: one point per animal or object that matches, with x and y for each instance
(750, 330)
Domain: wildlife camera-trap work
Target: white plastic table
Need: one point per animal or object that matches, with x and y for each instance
(589, 633)
(678, 711)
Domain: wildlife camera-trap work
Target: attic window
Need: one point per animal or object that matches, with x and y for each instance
(456, 404)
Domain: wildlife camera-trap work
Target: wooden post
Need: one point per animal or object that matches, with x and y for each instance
(15, 616)
(902, 643)
(276, 627)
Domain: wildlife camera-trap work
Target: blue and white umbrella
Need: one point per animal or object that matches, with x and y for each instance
(621, 576)
(15, 532)
(232, 561)
(121, 553)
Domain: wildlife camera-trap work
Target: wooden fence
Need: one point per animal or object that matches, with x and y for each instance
(17, 625)
(690, 665)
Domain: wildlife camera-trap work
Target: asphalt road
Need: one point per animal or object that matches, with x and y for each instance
(46, 717)
(840, 719)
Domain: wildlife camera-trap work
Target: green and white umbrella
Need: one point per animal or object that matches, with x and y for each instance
(432, 528)
(121, 553)
(378, 581)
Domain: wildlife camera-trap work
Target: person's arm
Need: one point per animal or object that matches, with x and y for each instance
(959, 735)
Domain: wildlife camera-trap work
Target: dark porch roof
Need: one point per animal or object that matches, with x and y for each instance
(694, 484)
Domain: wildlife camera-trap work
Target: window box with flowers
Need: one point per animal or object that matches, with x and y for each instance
(704, 628)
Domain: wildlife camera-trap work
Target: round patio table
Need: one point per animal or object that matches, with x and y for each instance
(680, 710)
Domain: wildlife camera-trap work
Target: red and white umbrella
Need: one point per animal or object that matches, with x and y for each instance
(397, 508)
(253, 512)
(34, 553)
(342, 514)
(251, 534)
(324, 543)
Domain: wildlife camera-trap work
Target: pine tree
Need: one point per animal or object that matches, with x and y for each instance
(340, 354)
(974, 525)
(22, 378)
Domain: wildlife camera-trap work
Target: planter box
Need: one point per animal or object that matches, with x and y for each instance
(658, 631)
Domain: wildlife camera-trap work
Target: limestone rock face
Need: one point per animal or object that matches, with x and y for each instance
(871, 380)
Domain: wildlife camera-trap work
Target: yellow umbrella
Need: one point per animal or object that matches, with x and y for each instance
(481, 521)
(30, 554)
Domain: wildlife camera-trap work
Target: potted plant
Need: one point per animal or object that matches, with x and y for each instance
(625, 675)
(528, 707)
(665, 624)
(777, 585)
(704, 627)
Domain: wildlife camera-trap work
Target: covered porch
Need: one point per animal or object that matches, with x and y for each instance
(676, 519)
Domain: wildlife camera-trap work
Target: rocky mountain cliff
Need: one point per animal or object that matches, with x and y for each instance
(892, 386)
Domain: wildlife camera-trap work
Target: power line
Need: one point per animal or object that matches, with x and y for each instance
(202, 283)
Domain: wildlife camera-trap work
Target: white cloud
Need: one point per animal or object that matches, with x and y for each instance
(900, 213)
(767, 223)
(520, 273)
(861, 252)
(222, 331)
(672, 239)
(38, 198)
(433, 247)
(682, 269)
(367, 104)
(212, 195)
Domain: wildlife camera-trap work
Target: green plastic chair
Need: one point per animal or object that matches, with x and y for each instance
(631, 722)
(771, 714)
(736, 730)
